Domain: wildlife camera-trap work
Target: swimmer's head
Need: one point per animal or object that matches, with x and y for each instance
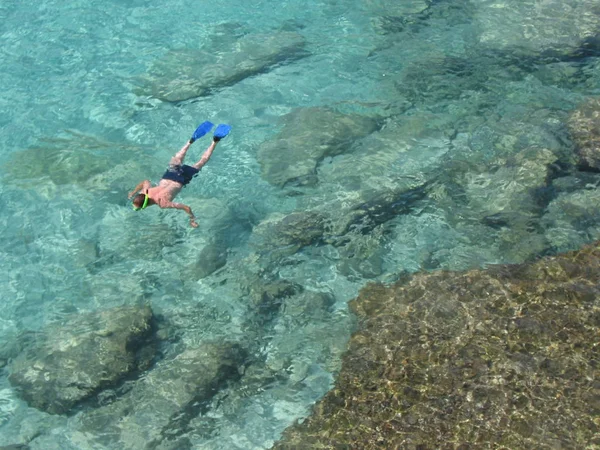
(140, 201)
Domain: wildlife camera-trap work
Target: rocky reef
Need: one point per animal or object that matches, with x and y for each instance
(505, 356)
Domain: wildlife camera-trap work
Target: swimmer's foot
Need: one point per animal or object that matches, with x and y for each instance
(202, 129)
(221, 131)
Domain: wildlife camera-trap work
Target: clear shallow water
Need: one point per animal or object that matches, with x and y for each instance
(454, 79)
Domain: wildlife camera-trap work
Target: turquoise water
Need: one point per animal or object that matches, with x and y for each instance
(470, 97)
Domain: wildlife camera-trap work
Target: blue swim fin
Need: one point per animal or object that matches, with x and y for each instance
(202, 129)
(221, 131)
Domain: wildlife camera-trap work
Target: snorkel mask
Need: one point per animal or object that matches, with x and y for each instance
(144, 205)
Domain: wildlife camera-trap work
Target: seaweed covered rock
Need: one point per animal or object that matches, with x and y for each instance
(71, 361)
(584, 125)
(505, 357)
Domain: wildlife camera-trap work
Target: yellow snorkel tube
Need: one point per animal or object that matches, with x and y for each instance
(144, 205)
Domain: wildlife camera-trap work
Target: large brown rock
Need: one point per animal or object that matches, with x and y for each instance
(505, 357)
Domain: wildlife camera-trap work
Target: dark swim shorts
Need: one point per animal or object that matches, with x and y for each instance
(181, 174)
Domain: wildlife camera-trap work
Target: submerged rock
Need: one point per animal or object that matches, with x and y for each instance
(584, 125)
(159, 406)
(363, 255)
(74, 360)
(573, 217)
(510, 188)
(288, 233)
(404, 149)
(392, 7)
(309, 135)
(390, 17)
(210, 259)
(188, 73)
(267, 296)
(72, 159)
(348, 225)
(553, 27)
(494, 210)
(505, 356)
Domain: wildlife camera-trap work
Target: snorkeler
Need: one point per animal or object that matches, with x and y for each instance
(177, 175)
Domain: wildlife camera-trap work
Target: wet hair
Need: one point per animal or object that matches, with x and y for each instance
(138, 200)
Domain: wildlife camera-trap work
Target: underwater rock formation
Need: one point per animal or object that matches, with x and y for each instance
(287, 233)
(391, 7)
(71, 159)
(308, 136)
(72, 361)
(505, 356)
(210, 259)
(531, 27)
(281, 235)
(403, 149)
(584, 125)
(573, 217)
(189, 73)
(159, 406)
(508, 192)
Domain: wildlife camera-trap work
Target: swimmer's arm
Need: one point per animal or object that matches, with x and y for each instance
(183, 207)
(144, 185)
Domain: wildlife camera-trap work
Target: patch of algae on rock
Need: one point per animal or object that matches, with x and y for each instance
(584, 126)
(505, 357)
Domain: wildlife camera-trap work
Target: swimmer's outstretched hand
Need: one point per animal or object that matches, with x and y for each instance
(193, 223)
